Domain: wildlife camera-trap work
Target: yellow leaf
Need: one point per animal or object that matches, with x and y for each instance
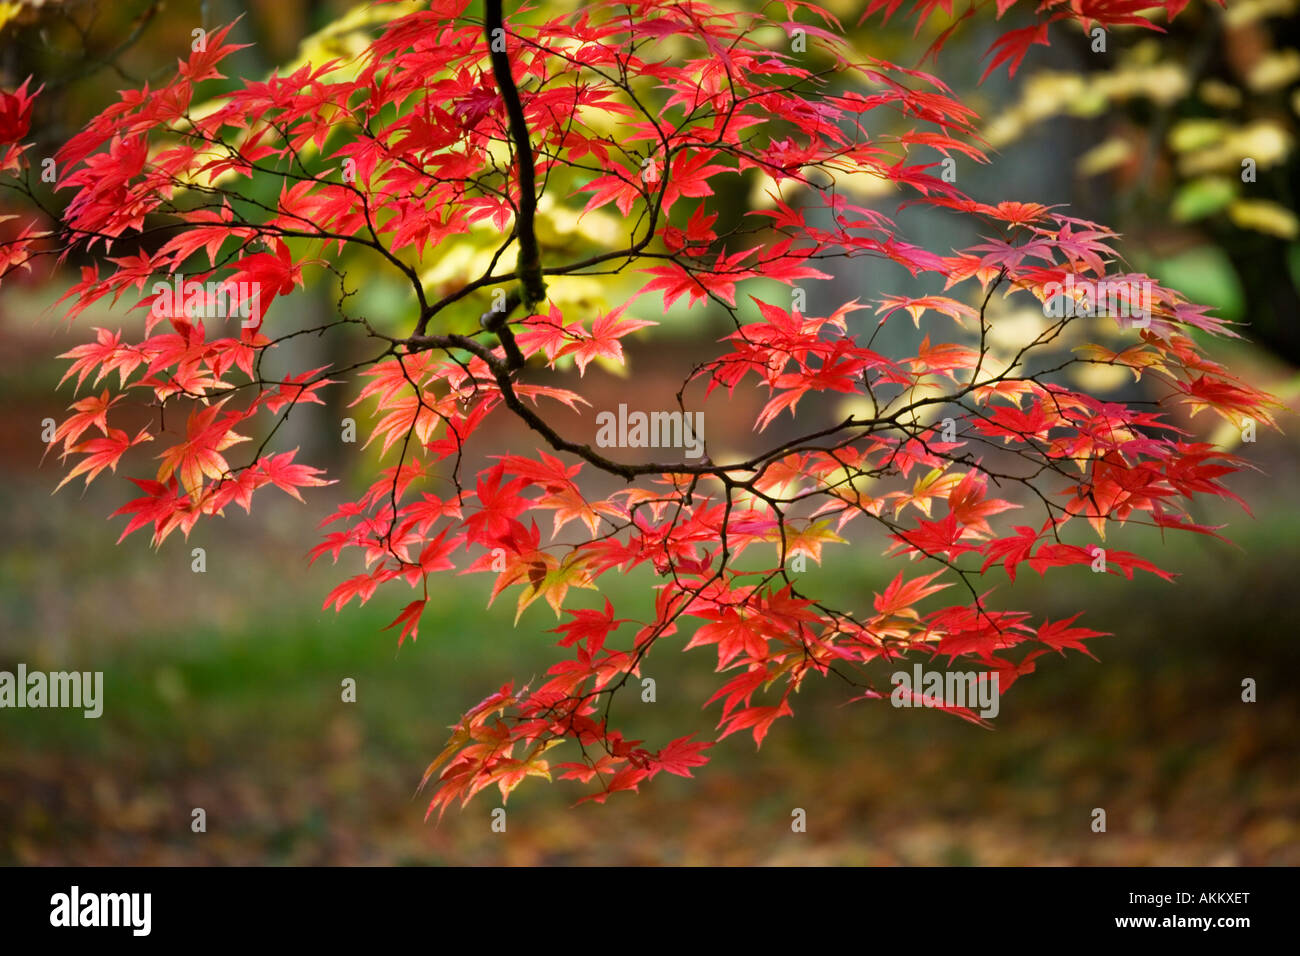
(8, 11)
(1264, 216)
(1113, 152)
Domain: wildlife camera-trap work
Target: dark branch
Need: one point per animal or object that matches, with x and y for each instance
(529, 266)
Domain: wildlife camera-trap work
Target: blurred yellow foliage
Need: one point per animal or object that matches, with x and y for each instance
(1263, 215)
(1217, 146)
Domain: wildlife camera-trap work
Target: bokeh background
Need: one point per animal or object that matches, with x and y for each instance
(223, 688)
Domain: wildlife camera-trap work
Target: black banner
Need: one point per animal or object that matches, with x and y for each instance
(907, 905)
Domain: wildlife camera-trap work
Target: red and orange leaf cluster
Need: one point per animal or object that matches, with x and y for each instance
(399, 157)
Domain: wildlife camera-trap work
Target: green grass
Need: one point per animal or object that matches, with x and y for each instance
(163, 686)
(247, 719)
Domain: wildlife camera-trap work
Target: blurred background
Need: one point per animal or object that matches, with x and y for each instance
(223, 688)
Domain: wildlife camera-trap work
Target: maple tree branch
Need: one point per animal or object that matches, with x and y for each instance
(798, 494)
(529, 264)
